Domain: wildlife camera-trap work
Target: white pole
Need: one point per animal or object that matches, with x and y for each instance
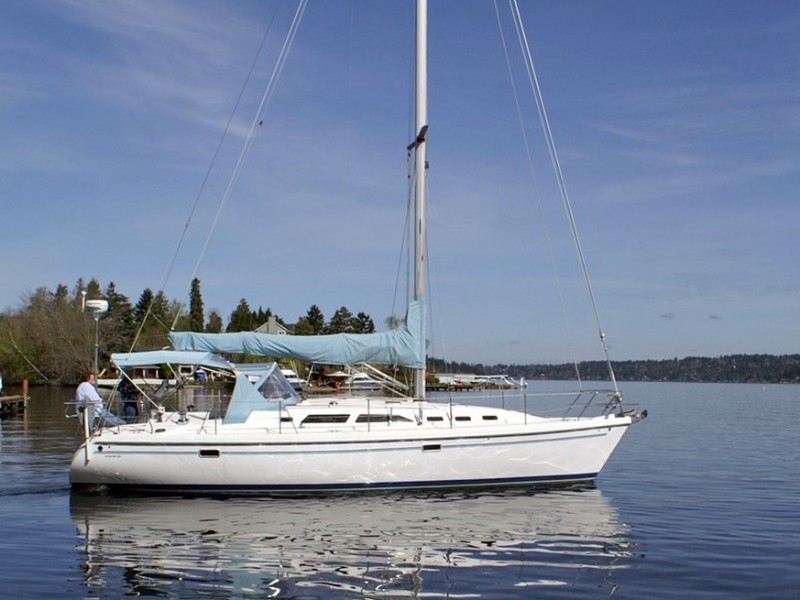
(96, 347)
(420, 258)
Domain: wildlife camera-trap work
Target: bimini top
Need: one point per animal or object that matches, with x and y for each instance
(170, 357)
(257, 386)
(403, 346)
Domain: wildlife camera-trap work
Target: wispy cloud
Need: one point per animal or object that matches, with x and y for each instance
(678, 136)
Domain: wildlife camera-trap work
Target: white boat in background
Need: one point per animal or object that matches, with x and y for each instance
(499, 381)
(364, 377)
(293, 379)
(361, 382)
(269, 440)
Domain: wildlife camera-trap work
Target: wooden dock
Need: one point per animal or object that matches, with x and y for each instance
(14, 405)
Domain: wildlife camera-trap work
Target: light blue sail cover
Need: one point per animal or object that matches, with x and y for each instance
(403, 346)
(125, 360)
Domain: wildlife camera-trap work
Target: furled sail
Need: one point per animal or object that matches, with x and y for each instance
(403, 346)
(127, 360)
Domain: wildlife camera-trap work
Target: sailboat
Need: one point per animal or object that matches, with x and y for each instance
(273, 441)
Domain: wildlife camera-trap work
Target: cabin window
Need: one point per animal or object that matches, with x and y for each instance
(431, 447)
(211, 453)
(490, 417)
(463, 418)
(373, 418)
(435, 419)
(310, 419)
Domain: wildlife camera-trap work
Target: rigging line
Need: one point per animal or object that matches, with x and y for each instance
(404, 241)
(534, 81)
(537, 194)
(25, 358)
(248, 144)
(168, 273)
(157, 297)
(429, 321)
(408, 227)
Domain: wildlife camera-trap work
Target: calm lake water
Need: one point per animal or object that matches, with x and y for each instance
(701, 500)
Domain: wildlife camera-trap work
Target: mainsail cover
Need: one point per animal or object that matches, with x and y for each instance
(403, 346)
(127, 360)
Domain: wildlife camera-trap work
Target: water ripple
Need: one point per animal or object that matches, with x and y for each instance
(377, 545)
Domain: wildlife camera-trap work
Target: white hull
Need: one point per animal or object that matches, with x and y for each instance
(364, 386)
(263, 456)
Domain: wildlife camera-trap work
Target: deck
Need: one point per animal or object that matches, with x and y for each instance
(12, 405)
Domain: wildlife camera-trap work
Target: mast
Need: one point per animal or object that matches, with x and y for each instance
(421, 127)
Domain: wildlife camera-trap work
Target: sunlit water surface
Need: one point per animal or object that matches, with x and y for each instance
(701, 500)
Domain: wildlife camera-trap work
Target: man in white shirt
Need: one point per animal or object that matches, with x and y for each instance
(89, 402)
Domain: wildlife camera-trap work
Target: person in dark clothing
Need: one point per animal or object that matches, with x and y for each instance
(129, 395)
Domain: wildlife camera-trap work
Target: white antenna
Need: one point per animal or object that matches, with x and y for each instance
(98, 308)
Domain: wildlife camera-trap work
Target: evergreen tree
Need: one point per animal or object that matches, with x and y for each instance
(196, 313)
(161, 310)
(303, 327)
(119, 326)
(143, 305)
(152, 318)
(316, 320)
(341, 321)
(261, 316)
(62, 293)
(214, 324)
(241, 318)
(80, 286)
(93, 289)
(362, 323)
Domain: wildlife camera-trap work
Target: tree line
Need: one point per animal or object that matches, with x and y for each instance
(49, 338)
(734, 368)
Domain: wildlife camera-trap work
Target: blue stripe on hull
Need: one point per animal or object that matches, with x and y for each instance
(554, 480)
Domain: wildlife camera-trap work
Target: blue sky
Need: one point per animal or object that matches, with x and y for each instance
(677, 125)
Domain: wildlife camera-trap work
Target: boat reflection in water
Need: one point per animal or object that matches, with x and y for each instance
(478, 544)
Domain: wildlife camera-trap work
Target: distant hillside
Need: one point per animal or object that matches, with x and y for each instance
(735, 368)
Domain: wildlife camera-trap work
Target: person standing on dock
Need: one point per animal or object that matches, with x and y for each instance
(89, 402)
